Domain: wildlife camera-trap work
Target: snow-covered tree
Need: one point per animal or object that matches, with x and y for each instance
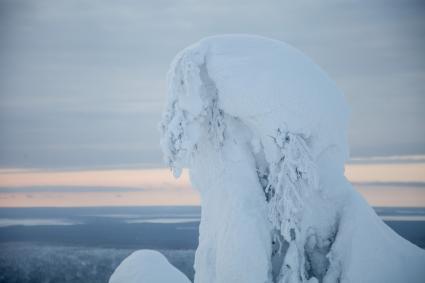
(147, 266)
(262, 130)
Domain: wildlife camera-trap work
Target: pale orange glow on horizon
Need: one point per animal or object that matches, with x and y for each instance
(161, 188)
(391, 172)
(128, 178)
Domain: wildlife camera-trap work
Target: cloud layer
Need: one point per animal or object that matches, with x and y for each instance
(82, 82)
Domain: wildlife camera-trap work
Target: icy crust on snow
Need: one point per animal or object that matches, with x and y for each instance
(262, 130)
(147, 266)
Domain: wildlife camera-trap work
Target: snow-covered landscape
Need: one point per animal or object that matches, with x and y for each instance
(212, 141)
(263, 131)
(87, 244)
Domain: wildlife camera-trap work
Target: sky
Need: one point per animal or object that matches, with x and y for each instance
(400, 183)
(82, 83)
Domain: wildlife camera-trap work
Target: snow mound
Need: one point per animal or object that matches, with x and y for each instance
(147, 266)
(263, 131)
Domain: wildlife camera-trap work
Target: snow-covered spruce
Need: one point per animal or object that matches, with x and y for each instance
(262, 130)
(147, 266)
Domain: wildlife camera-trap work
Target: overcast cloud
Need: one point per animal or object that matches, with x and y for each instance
(82, 82)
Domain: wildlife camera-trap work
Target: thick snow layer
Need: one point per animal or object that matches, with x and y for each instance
(146, 266)
(265, 83)
(262, 130)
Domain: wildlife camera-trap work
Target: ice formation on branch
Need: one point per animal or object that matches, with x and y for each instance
(262, 130)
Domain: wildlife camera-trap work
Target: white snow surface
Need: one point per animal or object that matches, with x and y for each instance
(262, 130)
(147, 266)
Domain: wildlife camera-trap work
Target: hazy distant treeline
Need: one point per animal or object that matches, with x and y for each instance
(34, 263)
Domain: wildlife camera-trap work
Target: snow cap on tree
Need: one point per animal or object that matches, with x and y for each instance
(267, 84)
